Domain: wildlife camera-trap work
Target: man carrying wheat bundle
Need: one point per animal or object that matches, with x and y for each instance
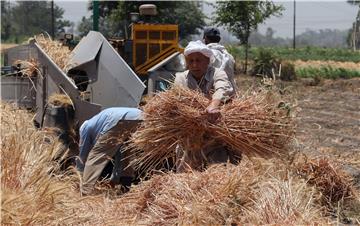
(214, 84)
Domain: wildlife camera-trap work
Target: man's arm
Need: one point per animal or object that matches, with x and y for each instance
(222, 87)
(223, 92)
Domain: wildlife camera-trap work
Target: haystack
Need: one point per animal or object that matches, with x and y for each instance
(253, 125)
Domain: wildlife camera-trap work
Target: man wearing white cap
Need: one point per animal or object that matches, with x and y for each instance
(215, 84)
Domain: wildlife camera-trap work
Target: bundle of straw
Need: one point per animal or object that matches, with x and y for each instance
(28, 68)
(333, 183)
(30, 192)
(60, 100)
(252, 125)
(55, 50)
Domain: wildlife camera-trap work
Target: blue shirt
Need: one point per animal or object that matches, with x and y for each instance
(98, 125)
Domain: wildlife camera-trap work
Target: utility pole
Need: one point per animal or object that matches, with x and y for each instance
(294, 26)
(52, 20)
(96, 15)
(354, 37)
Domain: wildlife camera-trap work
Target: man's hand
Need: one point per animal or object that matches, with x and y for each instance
(213, 111)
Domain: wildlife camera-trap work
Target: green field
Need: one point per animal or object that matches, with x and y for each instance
(307, 53)
(280, 54)
(327, 72)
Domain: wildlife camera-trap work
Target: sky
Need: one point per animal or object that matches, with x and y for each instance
(314, 15)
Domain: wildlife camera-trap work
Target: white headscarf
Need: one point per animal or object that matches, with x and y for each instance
(198, 46)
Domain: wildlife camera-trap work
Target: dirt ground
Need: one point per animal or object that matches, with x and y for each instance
(5, 46)
(328, 121)
(334, 64)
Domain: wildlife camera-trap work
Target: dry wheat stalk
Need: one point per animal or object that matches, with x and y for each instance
(253, 125)
(221, 195)
(333, 183)
(59, 53)
(254, 192)
(60, 100)
(280, 201)
(30, 195)
(28, 68)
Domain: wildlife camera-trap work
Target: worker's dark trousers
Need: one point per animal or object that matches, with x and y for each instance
(103, 151)
(187, 160)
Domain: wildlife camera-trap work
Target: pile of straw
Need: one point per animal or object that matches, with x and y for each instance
(333, 183)
(253, 125)
(33, 189)
(55, 50)
(254, 192)
(30, 195)
(257, 192)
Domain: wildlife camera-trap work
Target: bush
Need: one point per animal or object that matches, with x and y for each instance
(266, 63)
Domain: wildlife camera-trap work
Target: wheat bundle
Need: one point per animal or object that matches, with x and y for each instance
(30, 194)
(283, 201)
(28, 68)
(195, 198)
(333, 183)
(253, 125)
(60, 100)
(55, 50)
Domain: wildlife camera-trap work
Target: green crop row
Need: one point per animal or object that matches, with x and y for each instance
(327, 72)
(307, 53)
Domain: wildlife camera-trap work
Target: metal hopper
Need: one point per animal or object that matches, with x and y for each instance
(97, 78)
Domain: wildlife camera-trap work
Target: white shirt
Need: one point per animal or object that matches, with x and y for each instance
(223, 60)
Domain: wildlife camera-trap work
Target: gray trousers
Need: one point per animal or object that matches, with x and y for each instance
(106, 147)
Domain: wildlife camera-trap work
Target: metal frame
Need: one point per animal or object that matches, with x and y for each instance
(111, 81)
(173, 47)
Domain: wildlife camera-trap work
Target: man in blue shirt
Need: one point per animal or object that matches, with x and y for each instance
(101, 138)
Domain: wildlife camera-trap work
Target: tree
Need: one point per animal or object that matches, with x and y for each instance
(269, 33)
(186, 14)
(243, 17)
(354, 2)
(84, 26)
(28, 18)
(5, 20)
(105, 9)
